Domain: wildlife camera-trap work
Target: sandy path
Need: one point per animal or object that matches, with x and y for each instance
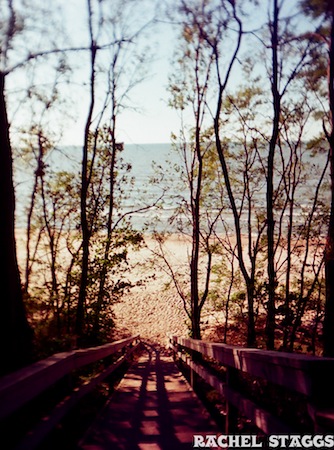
(154, 310)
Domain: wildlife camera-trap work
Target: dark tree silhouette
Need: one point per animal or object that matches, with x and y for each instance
(324, 9)
(15, 333)
(329, 251)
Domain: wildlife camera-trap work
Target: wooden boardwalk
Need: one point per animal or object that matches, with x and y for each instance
(154, 408)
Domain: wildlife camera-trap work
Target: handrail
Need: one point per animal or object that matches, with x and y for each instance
(18, 388)
(310, 376)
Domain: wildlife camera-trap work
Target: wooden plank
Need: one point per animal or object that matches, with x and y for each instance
(309, 375)
(210, 378)
(263, 419)
(323, 418)
(36, 436)
(18, 388)
(153, 408)
(83, 357)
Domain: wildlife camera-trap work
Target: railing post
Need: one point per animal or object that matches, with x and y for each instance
(310, 377)
(175, 345)
(321, 403)
(192, 379)
(231, 411)
(196, 358)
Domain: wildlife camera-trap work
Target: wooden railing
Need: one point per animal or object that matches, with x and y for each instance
(23, 386)
(300, 381)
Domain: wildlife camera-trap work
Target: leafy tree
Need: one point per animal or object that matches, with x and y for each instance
(189, 91)
(224, 65)
(85, 180)
(324, 10)
(288, 57)
(302, 218)
(112, 31)
(16, 335)
(113, 233)
(245, 161)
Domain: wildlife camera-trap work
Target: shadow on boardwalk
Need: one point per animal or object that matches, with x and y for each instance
(154, 408)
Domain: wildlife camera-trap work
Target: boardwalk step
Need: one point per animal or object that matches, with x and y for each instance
(153, 408)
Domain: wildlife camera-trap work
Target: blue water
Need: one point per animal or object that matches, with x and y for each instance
(155, 190)
(142, 196)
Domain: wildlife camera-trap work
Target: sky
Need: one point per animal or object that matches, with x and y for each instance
(150, 120)
(153, 120)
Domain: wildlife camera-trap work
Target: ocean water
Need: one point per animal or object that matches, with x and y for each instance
(144, 186)
(156, 191)
(154, 194)
(163, 163)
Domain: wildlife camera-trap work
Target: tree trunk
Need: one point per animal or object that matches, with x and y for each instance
(271, 308)
(86, 234)
(15, 333)
(251, 333)
(104, 270)
(196, 213)
(328, 327)
(196, 324)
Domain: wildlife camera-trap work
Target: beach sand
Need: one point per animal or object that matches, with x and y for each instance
(153, 309)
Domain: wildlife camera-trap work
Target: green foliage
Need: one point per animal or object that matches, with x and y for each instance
(317, 8)
(317, 144)
(246, 124)
(52, 300)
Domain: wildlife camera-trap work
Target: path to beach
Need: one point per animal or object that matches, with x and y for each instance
(154, 309)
